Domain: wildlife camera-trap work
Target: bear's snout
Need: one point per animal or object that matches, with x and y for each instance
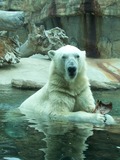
(72, 71)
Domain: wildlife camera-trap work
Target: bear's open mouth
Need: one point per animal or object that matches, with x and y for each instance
(72, 75)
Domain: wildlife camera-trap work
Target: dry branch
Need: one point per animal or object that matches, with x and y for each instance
(41, 41)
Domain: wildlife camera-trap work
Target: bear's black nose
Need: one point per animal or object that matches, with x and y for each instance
(72, 69)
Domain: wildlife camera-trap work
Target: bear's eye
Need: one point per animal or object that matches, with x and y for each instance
(64, 57)
(77, 56)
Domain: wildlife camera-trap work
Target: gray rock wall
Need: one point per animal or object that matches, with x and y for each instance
(92, 25)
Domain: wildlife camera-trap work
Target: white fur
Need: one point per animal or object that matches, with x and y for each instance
(65, 98)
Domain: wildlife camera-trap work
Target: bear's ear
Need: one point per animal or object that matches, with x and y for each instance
(51, 53)
(84, 53)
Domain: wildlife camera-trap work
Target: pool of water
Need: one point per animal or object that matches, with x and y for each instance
(24, 140)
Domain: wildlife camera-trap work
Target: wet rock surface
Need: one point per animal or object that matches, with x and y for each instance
(104, 73)
(33, 73)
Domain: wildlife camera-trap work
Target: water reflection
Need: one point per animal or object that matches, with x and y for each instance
(65, 141)
(54, 140)
(22, 139)
(40, 140)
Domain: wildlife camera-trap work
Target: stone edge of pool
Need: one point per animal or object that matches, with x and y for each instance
(33, 72)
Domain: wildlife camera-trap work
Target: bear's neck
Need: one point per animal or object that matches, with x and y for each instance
(59, 83)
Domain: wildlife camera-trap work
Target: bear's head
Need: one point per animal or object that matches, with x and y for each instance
(68, 62)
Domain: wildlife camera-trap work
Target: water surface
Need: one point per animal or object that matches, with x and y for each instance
(24, 140)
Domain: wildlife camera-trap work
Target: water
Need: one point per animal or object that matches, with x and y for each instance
(24, 140)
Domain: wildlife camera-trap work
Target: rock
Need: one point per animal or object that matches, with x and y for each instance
(90, 25)
(85, 23)
(109, 7)
(104, 70)
(29, 69)
(105, 47)
(41, 41)
(3, 5)
(95, 85)
(11, 21)
(33, 73)
(15, 5)
(116, 48)
(103, 74)
(26, 84)
(8, 54)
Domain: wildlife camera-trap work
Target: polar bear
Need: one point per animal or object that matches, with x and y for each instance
(67, 95)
